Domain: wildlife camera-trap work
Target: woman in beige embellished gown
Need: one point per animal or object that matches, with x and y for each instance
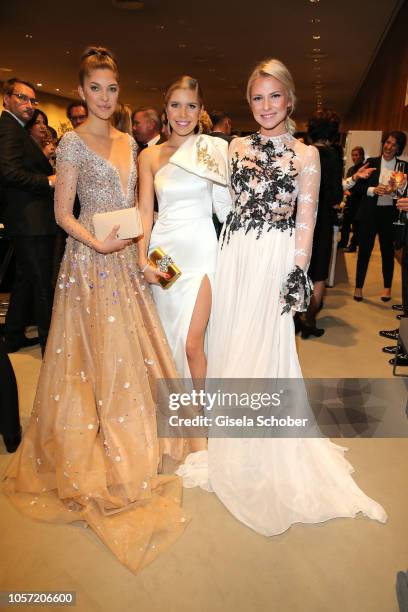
(91, 451)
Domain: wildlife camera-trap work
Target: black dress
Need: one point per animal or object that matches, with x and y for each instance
(330, 194)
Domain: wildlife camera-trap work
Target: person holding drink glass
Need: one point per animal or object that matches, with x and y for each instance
(401, 358)
(378, 213)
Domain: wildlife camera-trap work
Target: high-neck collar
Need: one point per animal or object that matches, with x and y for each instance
(275, 139)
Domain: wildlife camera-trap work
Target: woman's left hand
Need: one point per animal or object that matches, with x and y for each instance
(152, 275)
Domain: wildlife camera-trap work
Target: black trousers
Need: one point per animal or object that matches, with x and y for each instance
(9, 416)
(349, 222)
(404, 274)
(32, 284)
(379, 220)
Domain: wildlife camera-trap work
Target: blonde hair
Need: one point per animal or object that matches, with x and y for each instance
(184, 82)
(276, 69)
(94, 58)
(206, 125)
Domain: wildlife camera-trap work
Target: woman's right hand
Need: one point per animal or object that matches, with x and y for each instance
(112, 243)
(153, 274)
(363, 173)
(402, 204)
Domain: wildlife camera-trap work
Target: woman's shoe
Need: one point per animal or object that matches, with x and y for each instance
(308, 330)
(358, 298)
(397, 307)
(399, 360)
(391, 334)
(391, 350)
(385, 298)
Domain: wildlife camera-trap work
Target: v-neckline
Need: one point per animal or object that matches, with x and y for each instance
(125, 192)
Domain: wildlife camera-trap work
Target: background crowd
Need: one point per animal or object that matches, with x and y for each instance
(363, 204)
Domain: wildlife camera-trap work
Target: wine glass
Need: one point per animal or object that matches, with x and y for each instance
(397, 182)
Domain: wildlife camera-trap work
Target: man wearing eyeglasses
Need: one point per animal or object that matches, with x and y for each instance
(28, 181)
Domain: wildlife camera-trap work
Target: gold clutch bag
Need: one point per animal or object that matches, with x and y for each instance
(164, 263)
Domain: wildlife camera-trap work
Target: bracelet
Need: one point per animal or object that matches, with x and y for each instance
(144, 267)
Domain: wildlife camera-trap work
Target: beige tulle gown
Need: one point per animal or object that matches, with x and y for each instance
(91, 451)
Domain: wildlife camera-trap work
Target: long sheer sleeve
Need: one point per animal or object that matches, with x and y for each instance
(297, 288)
(68, 165)
(222, 201)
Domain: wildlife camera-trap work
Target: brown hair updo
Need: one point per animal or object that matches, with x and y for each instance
(95, 58)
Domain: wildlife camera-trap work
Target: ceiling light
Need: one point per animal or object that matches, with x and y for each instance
(315, 59)
(6, 70)
(316, 37)
(128, 5)
(316, 50)
(182, 45)
(28, 35)
(39, 84)
(211, 70)
(315, 20)
(57, 89)
(160, 27)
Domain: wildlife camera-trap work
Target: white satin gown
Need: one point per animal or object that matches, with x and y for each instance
(189, 188)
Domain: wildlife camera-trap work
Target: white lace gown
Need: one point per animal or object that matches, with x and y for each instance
(270, 484)
(188, 188)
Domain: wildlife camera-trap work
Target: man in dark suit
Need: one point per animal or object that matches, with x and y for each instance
(222, 125)
(147, 131)
(352, 206)
(377, 213)
(10, 427)
(28, 183)
(147, 127)
(400, 359)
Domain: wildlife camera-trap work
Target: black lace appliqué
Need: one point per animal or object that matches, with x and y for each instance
(296, 291)
(258, 181)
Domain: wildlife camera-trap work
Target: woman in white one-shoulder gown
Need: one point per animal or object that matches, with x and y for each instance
(189, 175)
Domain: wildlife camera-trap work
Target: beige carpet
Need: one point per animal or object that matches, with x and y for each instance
(219, 565)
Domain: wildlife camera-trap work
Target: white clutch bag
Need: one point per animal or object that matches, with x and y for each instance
(127, 218)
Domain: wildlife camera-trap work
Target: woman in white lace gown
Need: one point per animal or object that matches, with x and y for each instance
(189, 175)
(261, 279)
